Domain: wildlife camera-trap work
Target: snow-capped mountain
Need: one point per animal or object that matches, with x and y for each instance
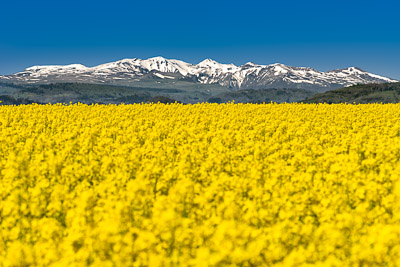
(247, 76)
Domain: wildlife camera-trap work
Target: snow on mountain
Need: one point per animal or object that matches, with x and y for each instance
(246, 76)
(54, 68)
(209, 64)
(143, 66)
(165, 65)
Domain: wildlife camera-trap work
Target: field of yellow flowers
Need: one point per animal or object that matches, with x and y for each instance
(200, 185)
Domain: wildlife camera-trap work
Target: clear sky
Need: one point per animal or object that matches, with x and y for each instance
(321, 34)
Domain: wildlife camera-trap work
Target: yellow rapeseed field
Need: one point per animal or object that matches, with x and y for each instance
(200, 185)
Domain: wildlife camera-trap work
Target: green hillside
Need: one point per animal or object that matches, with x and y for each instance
(360, 94)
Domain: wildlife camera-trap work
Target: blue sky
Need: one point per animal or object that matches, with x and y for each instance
(321, 34)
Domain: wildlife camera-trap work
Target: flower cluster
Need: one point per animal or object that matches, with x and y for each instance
(201, 185)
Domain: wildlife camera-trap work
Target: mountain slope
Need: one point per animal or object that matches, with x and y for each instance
(360, 94)
(248, 76)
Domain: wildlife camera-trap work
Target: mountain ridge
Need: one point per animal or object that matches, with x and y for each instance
(208, 71)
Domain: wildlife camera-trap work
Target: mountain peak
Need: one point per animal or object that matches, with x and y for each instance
(128, 60)
(214, 65)
(355, 69)
(208, 62)
(348, 70)
(277, 64)
(250, 64)
(158, 58)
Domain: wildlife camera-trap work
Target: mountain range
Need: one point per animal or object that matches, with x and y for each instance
(128, 72)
